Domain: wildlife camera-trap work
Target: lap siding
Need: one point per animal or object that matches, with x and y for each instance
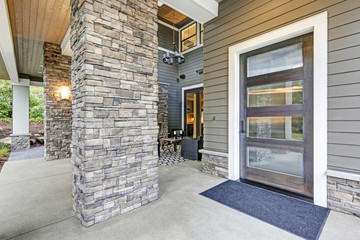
(239, 21)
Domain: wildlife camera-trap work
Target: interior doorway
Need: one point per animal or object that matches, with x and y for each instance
(194, 112)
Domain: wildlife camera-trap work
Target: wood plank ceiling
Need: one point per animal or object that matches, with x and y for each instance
(34, 22)
(166, 13)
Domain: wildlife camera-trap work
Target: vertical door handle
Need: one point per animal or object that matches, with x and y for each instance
(242, 126)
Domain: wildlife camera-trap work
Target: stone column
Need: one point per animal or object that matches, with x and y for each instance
(20, 137)
(57, 111)
(162, 116)
(115, 93)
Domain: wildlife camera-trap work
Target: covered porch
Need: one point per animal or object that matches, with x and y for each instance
(110, 99)
(35, 203)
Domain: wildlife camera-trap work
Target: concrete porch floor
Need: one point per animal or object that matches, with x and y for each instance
(35, 203)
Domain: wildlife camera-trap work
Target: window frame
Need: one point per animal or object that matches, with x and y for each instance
(189, 37)
(201, 39)
(198, 44)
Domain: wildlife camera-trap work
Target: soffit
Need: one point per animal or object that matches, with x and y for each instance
(165, 13)
(34, 22)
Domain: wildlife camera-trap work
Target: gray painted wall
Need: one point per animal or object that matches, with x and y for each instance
(193, 61)
(165, 36)
(169, 74)
(240, 20)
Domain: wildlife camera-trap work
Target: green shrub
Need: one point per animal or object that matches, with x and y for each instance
(4, 149)
(5, 99)
(39, 119)
(37, 113)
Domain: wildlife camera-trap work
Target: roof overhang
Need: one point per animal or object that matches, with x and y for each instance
(65, 44)
(199, 10)
(6, 43)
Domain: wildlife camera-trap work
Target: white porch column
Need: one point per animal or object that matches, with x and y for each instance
(20, 138)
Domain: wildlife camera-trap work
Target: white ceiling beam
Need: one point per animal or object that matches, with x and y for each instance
(160, 3)
(199, 10)
(168, 25)
(6, 43)
(65, 44)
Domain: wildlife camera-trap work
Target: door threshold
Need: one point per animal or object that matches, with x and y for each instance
(277, 190)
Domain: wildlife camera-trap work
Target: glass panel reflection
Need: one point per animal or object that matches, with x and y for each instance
(289, 57)
(201, 113)
(188, 32)
(288, 128)
(191, 115)
(283, 93)
(276, 160)
(188, 43)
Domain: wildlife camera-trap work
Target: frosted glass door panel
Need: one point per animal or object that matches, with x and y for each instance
(287, 128)
(272, 94)
(276, 160)
(275, 61)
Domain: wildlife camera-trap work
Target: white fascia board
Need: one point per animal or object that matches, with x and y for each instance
(198, 10)
(168, 25)
(6, 43)
(65, 44)
(22, 82)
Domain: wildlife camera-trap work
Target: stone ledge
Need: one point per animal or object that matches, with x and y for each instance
(219, 154)
(20, 135)
(343, 174)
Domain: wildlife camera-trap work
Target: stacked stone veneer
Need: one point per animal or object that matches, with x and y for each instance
(344, 195)
(20, 142)
(115, 93)
(57, 112)
(162, 116)
(214, 165)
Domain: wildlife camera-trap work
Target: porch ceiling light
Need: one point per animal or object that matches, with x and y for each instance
(174, 57)
(65, 93)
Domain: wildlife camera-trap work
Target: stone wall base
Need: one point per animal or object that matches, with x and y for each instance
(215, 165)
(20, 142)
(344, 195)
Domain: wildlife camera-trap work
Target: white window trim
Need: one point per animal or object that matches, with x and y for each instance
(198, 45)
(317, 24)
(182, 100)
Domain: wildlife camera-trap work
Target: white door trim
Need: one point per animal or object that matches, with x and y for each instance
(182, 100)
(317, 24)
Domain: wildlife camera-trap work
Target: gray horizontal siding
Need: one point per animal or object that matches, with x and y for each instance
(169, 74)
(165, 36)
(240, 20)
(193, 62)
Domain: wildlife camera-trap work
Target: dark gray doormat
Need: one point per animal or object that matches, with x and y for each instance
(295, 216)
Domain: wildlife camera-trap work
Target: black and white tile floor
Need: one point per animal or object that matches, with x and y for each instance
(170, 158)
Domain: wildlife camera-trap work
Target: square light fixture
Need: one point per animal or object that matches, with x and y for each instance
(65, 93)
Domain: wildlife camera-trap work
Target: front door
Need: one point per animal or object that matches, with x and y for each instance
(193, 112)
(276, 115)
